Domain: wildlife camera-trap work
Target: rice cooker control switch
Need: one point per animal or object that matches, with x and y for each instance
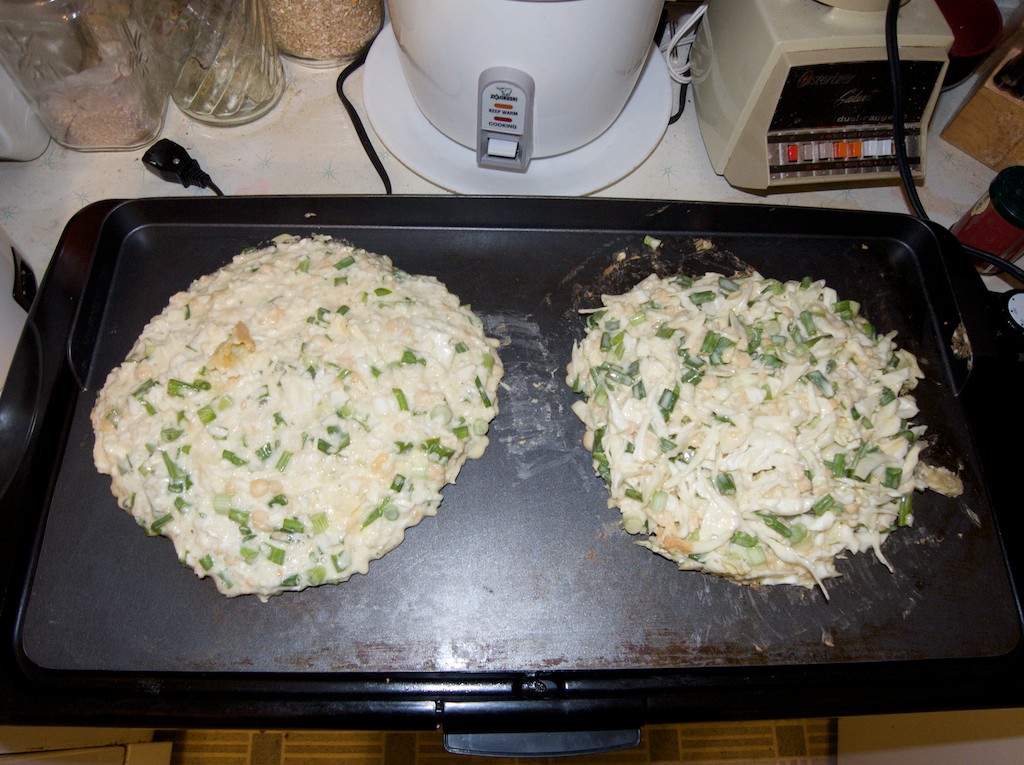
(505, 119)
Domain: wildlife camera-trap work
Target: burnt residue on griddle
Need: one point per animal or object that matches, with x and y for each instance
(632, 262)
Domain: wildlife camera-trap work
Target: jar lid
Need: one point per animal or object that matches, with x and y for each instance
(1007, 195)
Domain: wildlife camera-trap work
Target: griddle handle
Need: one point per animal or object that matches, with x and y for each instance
(541, 743)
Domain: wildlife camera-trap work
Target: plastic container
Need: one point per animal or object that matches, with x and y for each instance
(97, 73)
(996, 222)
(325, 33)
(232, 74)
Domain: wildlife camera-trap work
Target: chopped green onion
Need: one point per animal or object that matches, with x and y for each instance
(823, 505)
(837, 465)
(178, 388)
(704, 296)
(808, 322)
(238, 516)
(233, 458)
(206, 414)
(433, 446)
(600, 458)
(403, 404)
(725, 484)
(180, 479)
(893, 477)
(906, 507)
(743, 539)
(846, 309)
(821, 383)
(659, 500)
(772, 522)
(320, 522)
(144, 388)
(798, 532)
(292, 526)
(171, 434)
(728, 286)
(377, 512)
(222, 503)
(283, 460)
(160, 522)
(483, 393)
(667, 402)
(710, 340)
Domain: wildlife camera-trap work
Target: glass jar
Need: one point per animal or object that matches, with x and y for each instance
(97, 73)
(996, 222)
(232, 73)
(325, 33)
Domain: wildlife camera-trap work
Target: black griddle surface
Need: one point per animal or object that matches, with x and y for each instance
(524, 568)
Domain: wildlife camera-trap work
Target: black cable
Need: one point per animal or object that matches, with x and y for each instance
(357, 123)
(994, 260)
(898, 127)
(682, 104)
(900, 146)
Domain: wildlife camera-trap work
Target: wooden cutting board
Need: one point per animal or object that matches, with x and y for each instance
(990, 125)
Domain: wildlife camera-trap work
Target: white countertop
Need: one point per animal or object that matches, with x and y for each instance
(307, 145)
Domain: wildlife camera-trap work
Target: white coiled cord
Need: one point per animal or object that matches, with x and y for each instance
(676, 48)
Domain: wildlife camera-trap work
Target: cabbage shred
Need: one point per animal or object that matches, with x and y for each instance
(751, 428)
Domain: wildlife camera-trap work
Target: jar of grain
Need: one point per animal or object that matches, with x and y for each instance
(96, 73)
(325, 33)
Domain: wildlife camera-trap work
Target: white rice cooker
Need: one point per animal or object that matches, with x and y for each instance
(515, 81)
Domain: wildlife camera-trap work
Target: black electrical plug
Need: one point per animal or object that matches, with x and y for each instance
(172, 163)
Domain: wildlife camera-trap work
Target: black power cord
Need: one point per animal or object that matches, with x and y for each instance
(172, 163)
(899, 140)
(357, 123)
